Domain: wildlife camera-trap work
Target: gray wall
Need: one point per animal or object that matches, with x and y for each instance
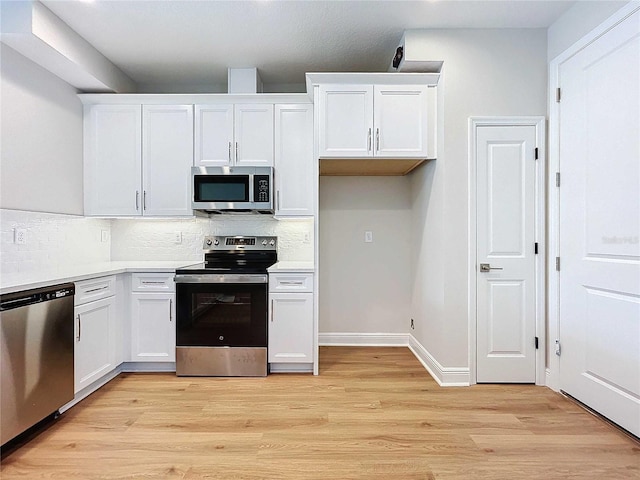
(41, 150)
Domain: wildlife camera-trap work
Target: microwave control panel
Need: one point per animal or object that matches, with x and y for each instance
(261, 189)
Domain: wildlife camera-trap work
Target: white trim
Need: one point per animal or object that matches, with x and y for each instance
(444, 376)
(291, 368)
(133, 367)
(89, 389)
(364, 339)
(553, 369)
(539, 235)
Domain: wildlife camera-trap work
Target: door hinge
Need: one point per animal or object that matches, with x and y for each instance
(535, 248)
(558, 95)
(557, 179)
(536, 153)
(536, 343)
(557, 264)
(558, 350)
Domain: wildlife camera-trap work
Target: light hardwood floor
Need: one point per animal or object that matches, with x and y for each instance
(372, 413)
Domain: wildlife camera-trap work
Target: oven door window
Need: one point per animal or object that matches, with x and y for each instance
(214, 315)
(221, 188)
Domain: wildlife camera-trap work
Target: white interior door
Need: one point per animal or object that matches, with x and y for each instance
(600, 225)
(506, 311)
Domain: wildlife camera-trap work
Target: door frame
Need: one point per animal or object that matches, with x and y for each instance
(552, 371)
(539, 235)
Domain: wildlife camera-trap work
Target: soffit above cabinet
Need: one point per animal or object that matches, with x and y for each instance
(190, 99)
(368, 167)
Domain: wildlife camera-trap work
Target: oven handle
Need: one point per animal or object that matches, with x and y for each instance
(225, 278)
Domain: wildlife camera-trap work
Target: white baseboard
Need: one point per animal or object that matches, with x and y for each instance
(291, 367)
(363, 339)
(445, 376)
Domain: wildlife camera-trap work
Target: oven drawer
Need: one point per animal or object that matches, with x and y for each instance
(94, 289)
(291, 282)
(153, 282)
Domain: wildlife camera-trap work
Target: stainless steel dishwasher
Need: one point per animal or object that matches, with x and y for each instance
(37, 356)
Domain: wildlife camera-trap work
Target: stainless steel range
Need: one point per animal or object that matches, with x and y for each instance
(221, 308)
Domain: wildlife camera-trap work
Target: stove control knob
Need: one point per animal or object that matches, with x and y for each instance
(209, 241)
(272, 243)
(264, 243)
(216, 242)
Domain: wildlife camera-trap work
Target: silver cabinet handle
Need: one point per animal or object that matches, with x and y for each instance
(369, 141)
(151, 282)
(137, 200)
(272, 310)
(144, 200)
(277, 199)
(377, 139)
(236, 152)
(229, 152)
(485, 267)
(104, 287)
(291, 283)
(171, 310)
(79, 328)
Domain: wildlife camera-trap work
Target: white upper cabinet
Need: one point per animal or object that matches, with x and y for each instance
(138, 159)
(167, 156)
(384, 121)
(214, 135)
(113, 159)
(295, 170)
(346, 120)
(240, 134)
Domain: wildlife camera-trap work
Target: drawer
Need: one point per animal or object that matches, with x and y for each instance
(94, 289)
(291, 282)
(153, 282)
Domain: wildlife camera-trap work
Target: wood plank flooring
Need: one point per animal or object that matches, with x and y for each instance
(372, 413)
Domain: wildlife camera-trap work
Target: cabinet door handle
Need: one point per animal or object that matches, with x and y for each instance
(369, 141)
(170, 310)
(144, 200)
(236, 152)
(79, 328)
(137, 200)
(277, 199)
(229, 152)
(272, 310)
(377, 139)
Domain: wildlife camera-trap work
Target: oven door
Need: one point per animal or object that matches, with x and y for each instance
(221, 310)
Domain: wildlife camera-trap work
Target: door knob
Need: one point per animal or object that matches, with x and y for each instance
(485, 267)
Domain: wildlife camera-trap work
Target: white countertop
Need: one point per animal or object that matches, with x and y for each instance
(74, 273)
(292, 267)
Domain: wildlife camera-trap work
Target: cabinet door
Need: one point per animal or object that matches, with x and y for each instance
(291, 328)
(112, 159)
(153, 328)
(213, 135)
(346, 121)
(253, 130)
(167, 156)
(95, 341)
(296, 175)
(400, 121)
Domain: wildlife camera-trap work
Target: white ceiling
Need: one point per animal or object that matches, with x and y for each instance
(193, 43)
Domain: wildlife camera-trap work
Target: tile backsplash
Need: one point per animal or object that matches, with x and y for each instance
(54, 240)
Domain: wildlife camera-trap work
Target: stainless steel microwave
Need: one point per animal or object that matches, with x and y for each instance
(232, 189)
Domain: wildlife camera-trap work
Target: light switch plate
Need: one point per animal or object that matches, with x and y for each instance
(368, 237)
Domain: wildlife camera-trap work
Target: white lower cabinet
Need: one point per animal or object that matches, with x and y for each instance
(95, 331)
(291, 328)
(153, 325)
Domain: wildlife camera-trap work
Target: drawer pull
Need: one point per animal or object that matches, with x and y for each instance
(104, 287)
(291, 283)
(149, 282)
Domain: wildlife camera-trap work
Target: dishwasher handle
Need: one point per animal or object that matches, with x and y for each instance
(9, 301)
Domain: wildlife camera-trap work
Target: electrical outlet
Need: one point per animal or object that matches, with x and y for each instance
(104, 236)
(307, 237)
(368, 237)
(20, 236)
(177, 238)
